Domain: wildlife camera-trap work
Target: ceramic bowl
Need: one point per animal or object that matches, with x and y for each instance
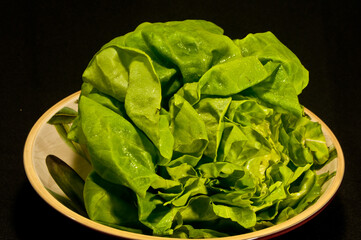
(43, 140)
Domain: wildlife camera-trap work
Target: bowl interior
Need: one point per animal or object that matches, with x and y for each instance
(44, 140)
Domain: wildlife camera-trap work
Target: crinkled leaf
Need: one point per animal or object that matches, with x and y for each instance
(192, 46)
(153, 214)
(288, 78)
(232, 142)
(248, 111)
(244, 216)
(189, 139)
(267, 48)
(212, 111)
(198, 209)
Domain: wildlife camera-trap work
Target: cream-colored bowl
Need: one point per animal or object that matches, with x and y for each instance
(44, 140)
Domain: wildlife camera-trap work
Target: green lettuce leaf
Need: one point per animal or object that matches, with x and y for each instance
(288, 76)
(190, 47)
(244, 216)
(131, 163)
(111, 204)
(190, 140)
(233, 76)
(267, 48)
(153, 214)
(135, 83)
(192, 134)
(212, 111)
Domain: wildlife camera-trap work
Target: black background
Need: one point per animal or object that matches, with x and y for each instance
(46, 45)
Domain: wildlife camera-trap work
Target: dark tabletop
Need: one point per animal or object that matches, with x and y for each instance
(46, 45)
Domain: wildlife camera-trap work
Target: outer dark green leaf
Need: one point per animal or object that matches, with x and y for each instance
(64, 116)
(68, 181)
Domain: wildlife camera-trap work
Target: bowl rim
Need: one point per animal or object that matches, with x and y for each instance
(266, 233)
